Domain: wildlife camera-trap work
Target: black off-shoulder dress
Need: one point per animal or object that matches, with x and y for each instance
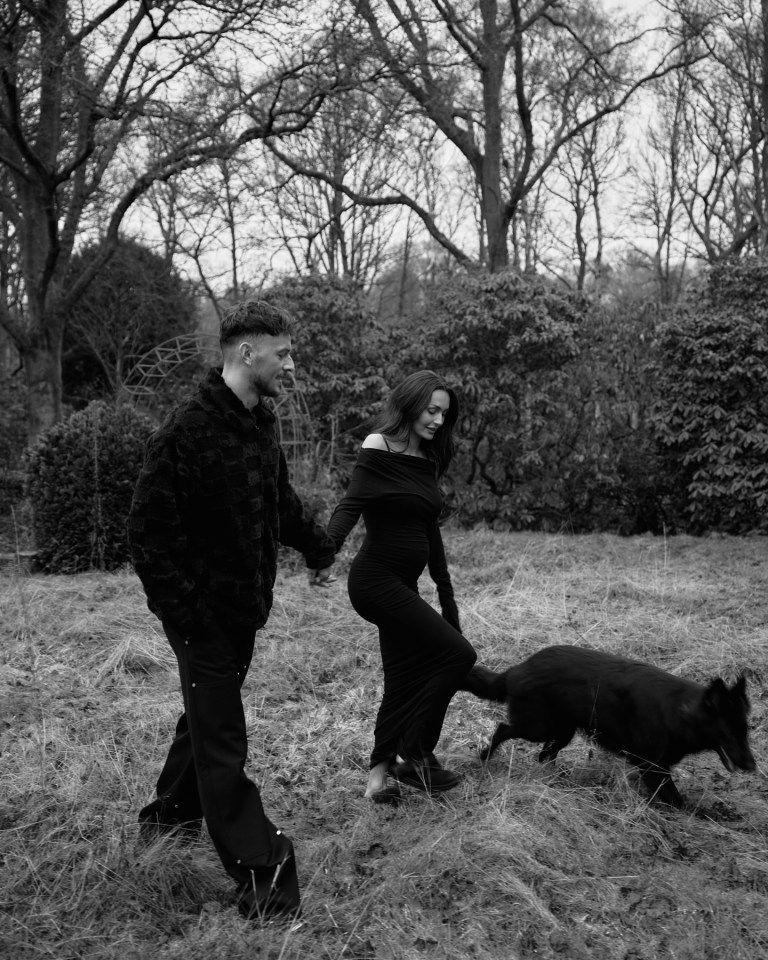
(424, 655)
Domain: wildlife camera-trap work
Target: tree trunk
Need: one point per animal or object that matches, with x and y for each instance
(494, 218)
(763, 239)
(496, 228)
(42, 370)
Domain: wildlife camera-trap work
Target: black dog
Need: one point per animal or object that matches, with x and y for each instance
(630, 708)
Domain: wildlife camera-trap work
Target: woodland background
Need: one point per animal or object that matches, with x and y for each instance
(563, 206)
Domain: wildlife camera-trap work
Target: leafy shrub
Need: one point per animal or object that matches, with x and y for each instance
(13, 438)
(555, 393)
(605, 459)
(711, 414)
(505, 340)
(80, 478)
(554, 397)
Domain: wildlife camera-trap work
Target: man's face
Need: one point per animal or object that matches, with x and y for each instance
(271, 364)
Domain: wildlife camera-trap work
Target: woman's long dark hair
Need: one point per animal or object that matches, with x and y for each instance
(407, 401)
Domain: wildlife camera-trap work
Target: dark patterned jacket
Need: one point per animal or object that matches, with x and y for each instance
(211, 503)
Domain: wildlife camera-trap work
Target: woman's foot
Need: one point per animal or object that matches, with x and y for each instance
(377, 789)
(377, 779)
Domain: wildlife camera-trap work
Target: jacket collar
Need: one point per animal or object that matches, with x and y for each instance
(215, 390)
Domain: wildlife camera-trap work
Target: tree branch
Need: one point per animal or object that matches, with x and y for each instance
(398, 199)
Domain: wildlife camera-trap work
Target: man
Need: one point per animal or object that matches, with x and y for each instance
(211, 503)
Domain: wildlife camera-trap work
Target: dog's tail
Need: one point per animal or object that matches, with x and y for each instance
(486, 684)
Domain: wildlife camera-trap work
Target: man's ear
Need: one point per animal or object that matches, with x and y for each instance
(246, 352)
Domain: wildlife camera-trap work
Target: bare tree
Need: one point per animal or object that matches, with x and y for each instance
(100, 102)
(583, 172)
(206, 219)
(656, 204)
(718, 146)
(320, 227)
(356, 146)
(506, 88)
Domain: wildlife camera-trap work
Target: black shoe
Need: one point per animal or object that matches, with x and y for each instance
(427, 775)
(271, 893)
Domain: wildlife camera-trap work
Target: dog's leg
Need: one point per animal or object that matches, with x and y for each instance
(503, 732)
(661, 786)
(553, 747)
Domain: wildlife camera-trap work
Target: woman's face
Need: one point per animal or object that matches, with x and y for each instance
(431, 419)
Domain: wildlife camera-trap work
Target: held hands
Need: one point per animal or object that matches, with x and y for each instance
(321, 578)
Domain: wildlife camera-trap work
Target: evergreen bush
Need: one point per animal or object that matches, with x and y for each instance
(711, 414)
(136, 301)
(505, 340)
(80, 476)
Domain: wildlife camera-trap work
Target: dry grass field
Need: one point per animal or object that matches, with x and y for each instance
(518, 862)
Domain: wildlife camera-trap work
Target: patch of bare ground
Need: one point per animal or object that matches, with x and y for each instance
(518, 862)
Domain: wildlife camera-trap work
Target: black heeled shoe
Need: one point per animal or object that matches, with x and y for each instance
(427, 775)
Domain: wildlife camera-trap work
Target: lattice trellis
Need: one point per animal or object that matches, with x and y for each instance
(152, 369)
(156, 364)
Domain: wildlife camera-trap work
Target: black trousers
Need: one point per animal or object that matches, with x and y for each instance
(204, 772)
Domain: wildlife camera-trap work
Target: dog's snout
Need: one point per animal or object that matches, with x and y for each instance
(741, 759)
(749, 763)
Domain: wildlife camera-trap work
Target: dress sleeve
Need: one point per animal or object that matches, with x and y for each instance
(299, 531)
(438, 570)
(158, 538)
(348, 511)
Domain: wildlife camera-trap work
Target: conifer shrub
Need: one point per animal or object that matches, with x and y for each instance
(80, 476)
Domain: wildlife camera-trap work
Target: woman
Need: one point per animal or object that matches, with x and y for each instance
(424, 655)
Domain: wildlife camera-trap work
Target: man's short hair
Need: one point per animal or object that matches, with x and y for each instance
(252, 318)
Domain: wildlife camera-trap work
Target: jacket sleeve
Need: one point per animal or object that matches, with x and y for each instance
(438, 570)
(298, 530)
(158, 538)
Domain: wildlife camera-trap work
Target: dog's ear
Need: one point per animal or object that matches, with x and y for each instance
(715, 692)
(739, 689)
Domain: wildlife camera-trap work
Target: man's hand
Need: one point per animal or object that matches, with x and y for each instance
(321, 578)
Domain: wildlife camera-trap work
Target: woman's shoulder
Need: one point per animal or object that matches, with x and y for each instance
(375, 441)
